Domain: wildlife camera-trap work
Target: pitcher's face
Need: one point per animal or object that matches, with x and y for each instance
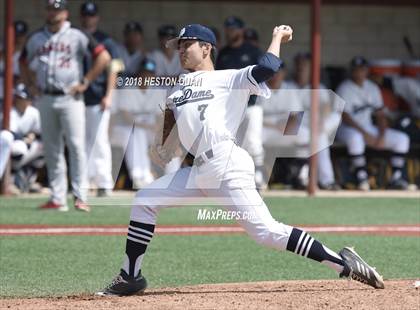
(191, 54)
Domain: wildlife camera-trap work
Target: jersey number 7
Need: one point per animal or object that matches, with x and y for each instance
(202, 108)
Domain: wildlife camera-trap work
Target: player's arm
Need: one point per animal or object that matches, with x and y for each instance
(382, 123)
(114, 68)
(380, 116)
(349, 121)
(110, 85)
(27, 75)
(270, 62)
(29, 79)
(101, 60)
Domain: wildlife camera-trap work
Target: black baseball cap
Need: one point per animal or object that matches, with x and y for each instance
(57, 4)
(234, 22)
(193, 32)
(359, 61)
(21, 27)
(167, 31)
(251, 34)
(89, 8)
(148, 64)
(21, 91)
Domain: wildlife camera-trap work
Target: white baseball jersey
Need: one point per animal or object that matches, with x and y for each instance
(142, 104)
(360, 101)
(211, 109)
(282, 101)
(165, 66)
(23, 124)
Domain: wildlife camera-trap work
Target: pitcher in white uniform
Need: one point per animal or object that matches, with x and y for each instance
(205, 115)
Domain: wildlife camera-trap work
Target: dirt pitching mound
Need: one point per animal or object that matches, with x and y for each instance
(323, 294)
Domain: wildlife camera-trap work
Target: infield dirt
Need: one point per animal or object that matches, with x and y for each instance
(325, 294)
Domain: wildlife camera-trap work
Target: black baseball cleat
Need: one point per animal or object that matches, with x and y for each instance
(357, 269)
(125, 285)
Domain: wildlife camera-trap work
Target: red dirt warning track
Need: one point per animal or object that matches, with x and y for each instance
(30, 230)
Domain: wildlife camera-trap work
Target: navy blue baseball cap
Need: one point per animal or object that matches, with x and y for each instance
(89, 8)
(21, 91)
(234, 22)
(193, 32)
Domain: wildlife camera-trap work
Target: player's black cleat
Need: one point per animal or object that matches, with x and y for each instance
(125, 285)
(357, 269)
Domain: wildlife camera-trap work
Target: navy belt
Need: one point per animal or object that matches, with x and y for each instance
(200, 160)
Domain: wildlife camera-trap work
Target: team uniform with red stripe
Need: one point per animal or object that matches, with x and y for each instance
(57, 60)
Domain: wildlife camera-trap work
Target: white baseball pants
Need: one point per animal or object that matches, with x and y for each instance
(395, 140)
(6, 141)
(98, 148)
(227, 179)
